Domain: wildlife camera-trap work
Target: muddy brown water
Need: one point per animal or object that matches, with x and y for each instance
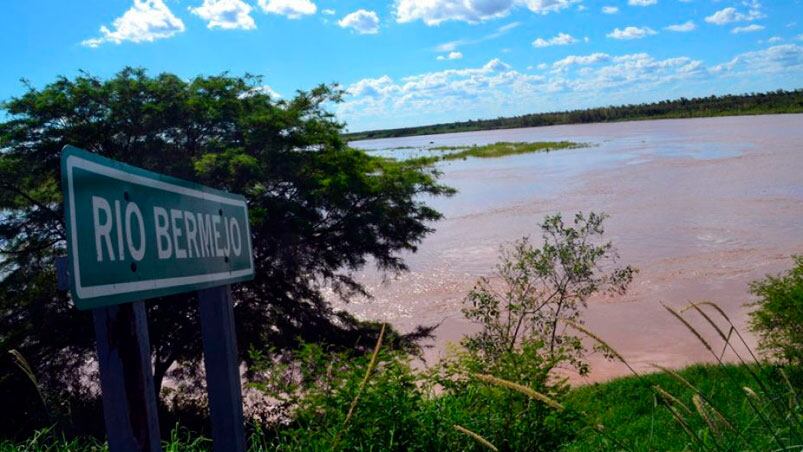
(701, 206)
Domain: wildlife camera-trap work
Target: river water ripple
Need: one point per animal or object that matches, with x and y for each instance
(701, 206)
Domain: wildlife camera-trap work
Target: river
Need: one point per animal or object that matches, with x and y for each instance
(701, 206)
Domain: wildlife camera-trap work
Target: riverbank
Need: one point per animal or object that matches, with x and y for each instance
(773, 102)
(696, 408)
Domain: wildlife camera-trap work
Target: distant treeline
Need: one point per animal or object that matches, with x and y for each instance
(779, 101)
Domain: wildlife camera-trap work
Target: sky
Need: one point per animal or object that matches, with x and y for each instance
(415, 62)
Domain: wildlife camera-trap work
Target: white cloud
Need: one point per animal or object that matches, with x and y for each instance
(226, 14)
(264, 89)
(145, 21)
(501, 31)
(682, 28)
(561, 39)
(799, 37)
(631, 33)
(610, 9)
(641, 2)
(433, 12)
(362, 21)
(775, 39)
(293, 9)
(580, 60)
(576, 81)
(786, 58)
(450, 56)
(498, 88)
(748, 29)
(731, 14)
(328, 12)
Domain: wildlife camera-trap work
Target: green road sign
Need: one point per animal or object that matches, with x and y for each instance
(133, 234)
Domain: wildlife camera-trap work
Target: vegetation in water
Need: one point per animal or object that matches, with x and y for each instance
(500, 149)
(779, 101)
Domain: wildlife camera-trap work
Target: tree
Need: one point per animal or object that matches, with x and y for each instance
(319, 210)
(778, 317)
(537, 289)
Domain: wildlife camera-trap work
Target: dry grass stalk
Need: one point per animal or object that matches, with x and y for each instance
(26, 368)
(546, 400)
(688, 384)
(754, 400)
(363, 384)
(604, 344)
(670, 398)
(733, 327)
(725, 339)
(690, 328)
(702, 409)
(793, 399)
(696, 307)
(476, 437)
(549, 402)
(676, 376)
(682, 422)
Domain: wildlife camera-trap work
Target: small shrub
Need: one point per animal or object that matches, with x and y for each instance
(778, 317)
(543, 287)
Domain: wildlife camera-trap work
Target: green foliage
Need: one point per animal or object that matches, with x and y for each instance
(500, 149)
(779, 101)
(539, 288)
(778, 317)
(319, 212)
(631, 410)
(47, 439)
(324, 384)
(509, 420)
(403, 409)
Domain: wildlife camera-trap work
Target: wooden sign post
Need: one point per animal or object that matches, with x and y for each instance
(222, 368)
(132, 235)
(126, 378)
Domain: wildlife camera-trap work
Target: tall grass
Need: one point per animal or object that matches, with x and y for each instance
(368, 371)
(769, 414)
(750, 406)
(26, 369)
(476, 437)
(51, 440)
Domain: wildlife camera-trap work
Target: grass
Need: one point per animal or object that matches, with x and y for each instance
(658, 411)
(631, 409)
(48, 439)
(503, 149)
(751, 405)
(495, 150)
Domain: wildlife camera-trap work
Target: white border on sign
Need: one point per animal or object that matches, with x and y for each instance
(154, 284)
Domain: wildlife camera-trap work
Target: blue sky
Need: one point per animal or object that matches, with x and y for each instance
(413, 62)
